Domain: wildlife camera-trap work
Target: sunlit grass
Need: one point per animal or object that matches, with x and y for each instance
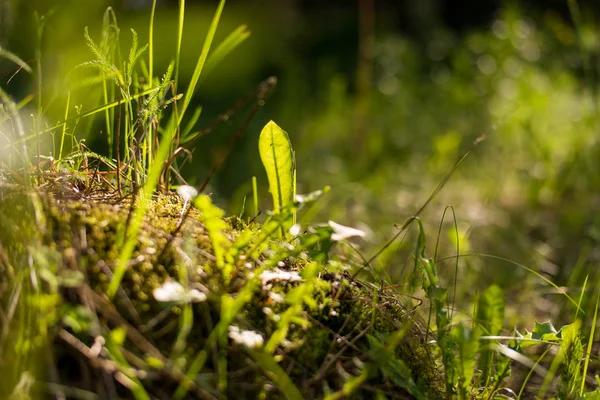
(150, 121)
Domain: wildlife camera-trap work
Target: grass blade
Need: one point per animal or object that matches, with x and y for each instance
(157, 167)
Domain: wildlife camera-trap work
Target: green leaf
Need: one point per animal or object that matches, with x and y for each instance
(490, 317)
(278, 159)
(467, 343)
(571, 353)
(544, 331)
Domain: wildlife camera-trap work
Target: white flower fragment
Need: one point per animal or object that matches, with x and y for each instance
(295, 230)
(341, 232)
(276, 297)
(187, 192)
(174, 292)
(250, 339)
(279, 275)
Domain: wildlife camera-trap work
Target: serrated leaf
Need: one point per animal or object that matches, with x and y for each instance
(278, 159)
(544, 331)
(490, 316)
(571, 356)
(467, 345)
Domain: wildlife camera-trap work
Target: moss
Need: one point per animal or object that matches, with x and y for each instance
(319, 356)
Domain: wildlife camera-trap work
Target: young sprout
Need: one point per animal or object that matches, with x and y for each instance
(187, 193)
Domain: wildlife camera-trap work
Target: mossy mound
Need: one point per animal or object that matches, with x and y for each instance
(61, 248)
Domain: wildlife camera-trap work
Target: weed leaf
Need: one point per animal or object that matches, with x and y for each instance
(490, 316)
(278, 159)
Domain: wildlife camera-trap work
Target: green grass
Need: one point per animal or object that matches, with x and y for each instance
(464, 349)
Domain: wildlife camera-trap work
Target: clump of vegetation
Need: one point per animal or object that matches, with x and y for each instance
(113, 286)
(220, 307)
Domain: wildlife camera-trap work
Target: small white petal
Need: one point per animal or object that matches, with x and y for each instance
(295, 230)
(187, 192)
(267, 311)
(341, 232)
(249, 339)
(279, 275)
(276, 297)
(195, 296)
(173, 292)
(170, 291)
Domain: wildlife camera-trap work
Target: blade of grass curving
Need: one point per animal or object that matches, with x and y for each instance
(64, 130)
(588, 352)
(41, 23)
(230, 43)
(530, 270)
(113, 343)
(438, 188)
(157, 167)
(201, 62)
(190, 125)
(531, 371)
(437, 242)
(14, 58)
(255, 195)
(277, 375)
(179, 40)
(435, 192)
(79, 116)
(108, 44)
(581, 296)
(151, 45)
(351, 385)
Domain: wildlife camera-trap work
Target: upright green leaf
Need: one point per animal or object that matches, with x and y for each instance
(571, 356)
(467, 345)
(490, 317)
(278, 159)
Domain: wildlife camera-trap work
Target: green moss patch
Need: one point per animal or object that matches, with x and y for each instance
(323, 332)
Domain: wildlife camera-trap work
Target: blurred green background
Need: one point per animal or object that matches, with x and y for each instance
(380, 99)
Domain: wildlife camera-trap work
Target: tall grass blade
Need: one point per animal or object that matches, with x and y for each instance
(277, 375)
(490, 317)
(157, 167)
(588, 352)
(230, 43)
